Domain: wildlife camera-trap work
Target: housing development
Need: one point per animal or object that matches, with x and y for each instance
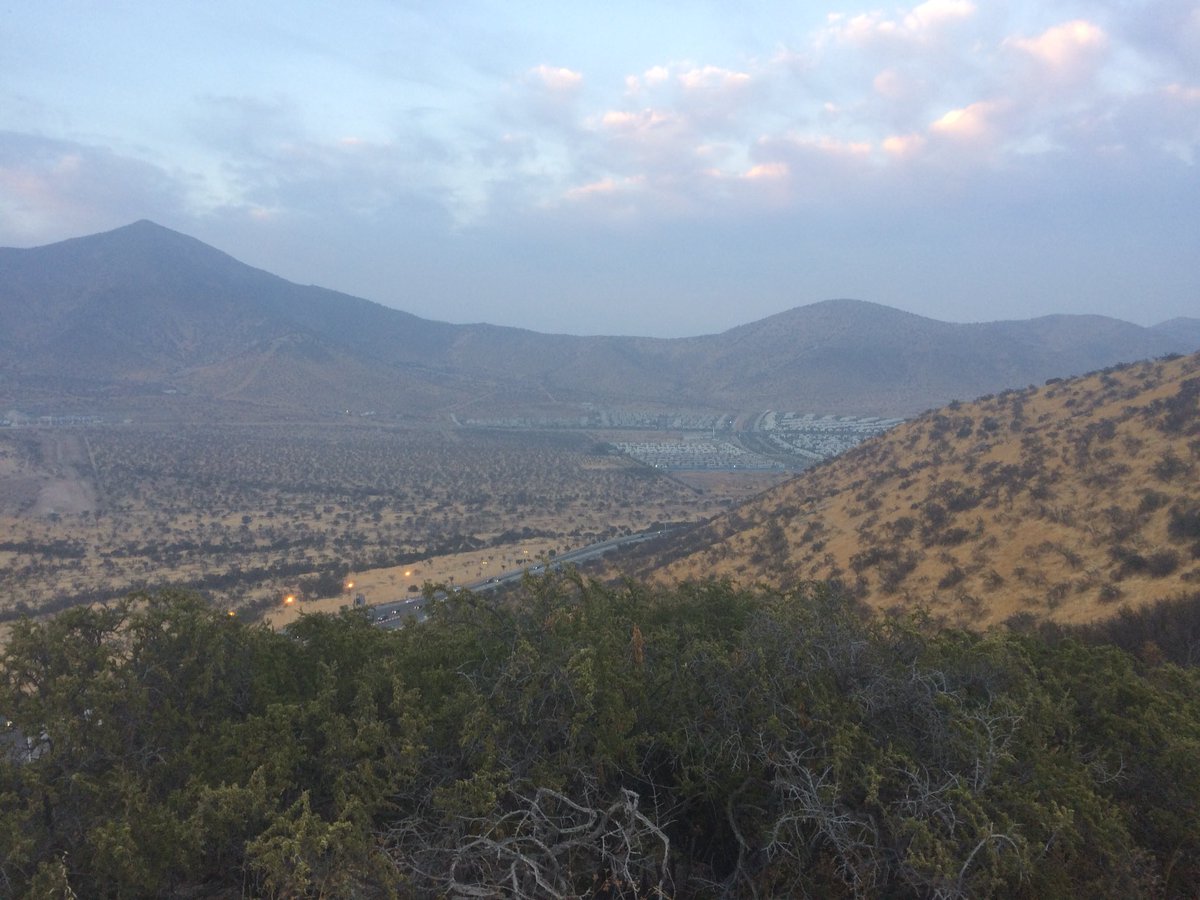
(706, 440)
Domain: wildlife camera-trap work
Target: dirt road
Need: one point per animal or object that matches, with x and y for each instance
(55, 478)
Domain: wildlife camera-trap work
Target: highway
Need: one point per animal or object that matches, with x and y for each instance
(396, 613)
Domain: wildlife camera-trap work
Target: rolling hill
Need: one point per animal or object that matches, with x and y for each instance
(1062, 502)
(146, 312)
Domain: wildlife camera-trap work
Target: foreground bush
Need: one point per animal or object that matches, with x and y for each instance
(588, 741)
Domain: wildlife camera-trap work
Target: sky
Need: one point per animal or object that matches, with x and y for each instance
(651, 168)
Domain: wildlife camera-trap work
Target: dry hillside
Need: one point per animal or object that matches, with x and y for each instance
(1060, 502)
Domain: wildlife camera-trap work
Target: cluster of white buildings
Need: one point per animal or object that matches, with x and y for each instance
(820, 437)
(695, 454)
(14, 418)
(710, 440)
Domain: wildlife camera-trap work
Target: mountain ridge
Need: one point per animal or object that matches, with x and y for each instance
(146, 305)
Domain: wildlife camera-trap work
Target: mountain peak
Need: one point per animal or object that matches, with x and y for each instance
(146, 229)
(144, 301)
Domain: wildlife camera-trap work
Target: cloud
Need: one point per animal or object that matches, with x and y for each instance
(973, 122)
(903, 145)
(890, 84)
(644, 138)
(1067, 49)
(1168, 29)
(52, 188)
(709, 95)
(269, 159)
(713, 79)
(604, 186)
(1157, 127)
(1184, 94)
(799, 173)
(933, 14)
(557, 79)
(650, 79)
(922, 23)
(827, 146)
(472, 166)
(641, 122)
(771, 171)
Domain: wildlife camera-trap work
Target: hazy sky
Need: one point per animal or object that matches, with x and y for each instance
(657, 168)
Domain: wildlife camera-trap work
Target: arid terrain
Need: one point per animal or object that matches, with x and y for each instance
(169, 415)
(1063, 502)
(249, 514)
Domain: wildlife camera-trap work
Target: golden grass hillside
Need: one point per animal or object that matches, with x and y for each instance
(1062, 503)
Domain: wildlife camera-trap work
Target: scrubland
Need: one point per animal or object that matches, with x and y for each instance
(249, 513)
(1060, 503)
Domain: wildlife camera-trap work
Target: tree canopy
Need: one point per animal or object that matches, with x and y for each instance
(584, 740)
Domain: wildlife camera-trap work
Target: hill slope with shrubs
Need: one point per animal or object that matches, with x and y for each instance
(585, 741)
(1060, 503)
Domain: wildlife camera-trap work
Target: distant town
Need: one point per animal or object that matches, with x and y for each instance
(15, 419)
(683, 441)
(688, 441)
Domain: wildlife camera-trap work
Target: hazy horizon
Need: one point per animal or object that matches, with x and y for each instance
(767, 315)
(657, 169)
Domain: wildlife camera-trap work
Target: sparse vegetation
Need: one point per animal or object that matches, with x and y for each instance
(1092, 476)
(245, 512)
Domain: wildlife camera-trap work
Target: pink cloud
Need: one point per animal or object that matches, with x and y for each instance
(772, 171)
(860, 104)
(710, 78)
(970, 122)
(557, 79)
(651, 78)
(921, 23)
(890, 84)
(902, 145)
(640, 124)
(657, 75)
(50, 188)
(1064, 48)
(934, 14)
(1183, 93)
(603, 187)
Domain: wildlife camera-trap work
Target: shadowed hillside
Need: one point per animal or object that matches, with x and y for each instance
(1182, 329)
(1063, 503)
(858, 357)
(143, 307)
(145, 312)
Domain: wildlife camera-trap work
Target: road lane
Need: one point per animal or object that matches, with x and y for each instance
(395, 613)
